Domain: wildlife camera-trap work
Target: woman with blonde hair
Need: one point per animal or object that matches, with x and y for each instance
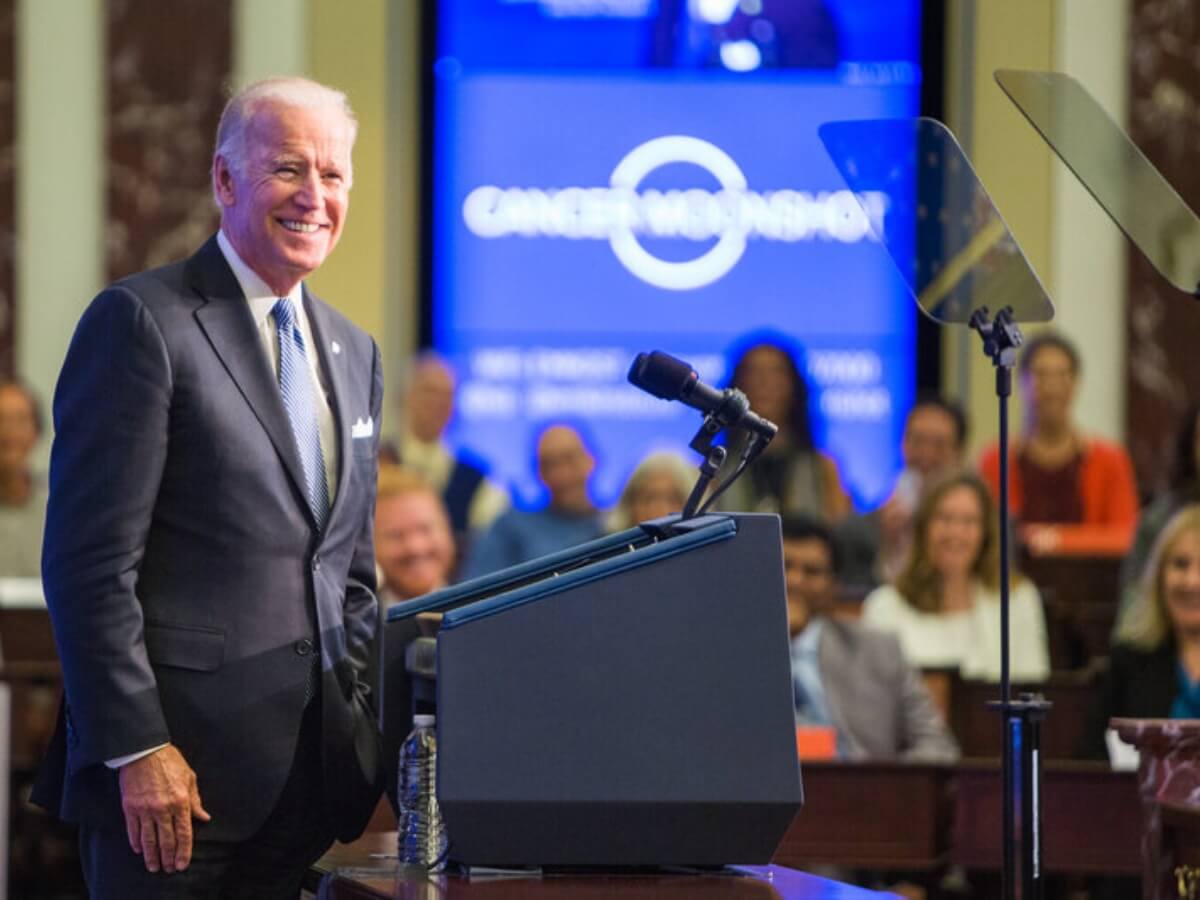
(1154, 667)
(945, 605)
(658, 486)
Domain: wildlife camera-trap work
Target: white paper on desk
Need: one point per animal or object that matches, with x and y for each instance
(21, 593)
(1123, 757)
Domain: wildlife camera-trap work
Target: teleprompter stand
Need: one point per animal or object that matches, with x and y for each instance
(959, 260)
(1021, 766)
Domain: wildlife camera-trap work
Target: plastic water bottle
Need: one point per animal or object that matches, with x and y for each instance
(422, 835)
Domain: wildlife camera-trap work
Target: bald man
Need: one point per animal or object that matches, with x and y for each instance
(472, 501)
(564, 466)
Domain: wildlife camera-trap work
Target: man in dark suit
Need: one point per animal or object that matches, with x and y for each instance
(208, 559)
(846, 676)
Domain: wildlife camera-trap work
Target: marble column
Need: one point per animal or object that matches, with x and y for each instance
(169, 67)
(8, 215)
(1162, 359)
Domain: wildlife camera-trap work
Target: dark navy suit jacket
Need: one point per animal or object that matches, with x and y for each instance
(186, 579)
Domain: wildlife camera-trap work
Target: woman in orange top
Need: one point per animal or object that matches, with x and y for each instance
(1070, 492)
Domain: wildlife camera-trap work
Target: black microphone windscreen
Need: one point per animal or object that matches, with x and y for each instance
(661, 374)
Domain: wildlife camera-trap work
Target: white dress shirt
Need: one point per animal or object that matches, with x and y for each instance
(261, 301)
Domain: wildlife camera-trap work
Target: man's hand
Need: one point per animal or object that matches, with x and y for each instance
(159, 798)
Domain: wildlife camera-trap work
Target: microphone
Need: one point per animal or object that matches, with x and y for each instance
(669, 378)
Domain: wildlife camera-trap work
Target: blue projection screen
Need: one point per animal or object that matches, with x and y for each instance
(583, 216)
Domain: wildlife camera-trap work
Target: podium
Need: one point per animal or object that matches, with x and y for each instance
(627, 702)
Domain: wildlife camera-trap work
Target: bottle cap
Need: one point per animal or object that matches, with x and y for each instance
(424, 720)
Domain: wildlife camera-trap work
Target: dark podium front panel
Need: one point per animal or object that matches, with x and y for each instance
(623, 708)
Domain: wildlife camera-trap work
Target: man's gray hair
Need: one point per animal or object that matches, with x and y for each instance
(291, 91)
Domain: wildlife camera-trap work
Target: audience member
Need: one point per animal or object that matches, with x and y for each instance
(1154, 668)
(564, 466)
(22, 491)
(1183, 488)
(1071, 492)
(472, 501)
(945, 605)
(659, 486)
(414, 548)
(792, 475)
(848, 676)
(878, 543)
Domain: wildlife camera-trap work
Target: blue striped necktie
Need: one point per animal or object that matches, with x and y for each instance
(296, 386)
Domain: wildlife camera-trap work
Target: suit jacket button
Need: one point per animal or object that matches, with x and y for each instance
(304, 646)
(316, 563)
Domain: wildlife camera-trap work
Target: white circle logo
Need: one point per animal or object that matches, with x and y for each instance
(706, 268)
(623, 215)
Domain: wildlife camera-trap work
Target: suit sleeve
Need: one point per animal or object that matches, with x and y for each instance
(926, 736)
(111, 414)
(361, 611)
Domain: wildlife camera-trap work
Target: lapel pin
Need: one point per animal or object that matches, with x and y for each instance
(335, 347)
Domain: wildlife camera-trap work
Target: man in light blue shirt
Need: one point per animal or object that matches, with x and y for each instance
(847, 676)
(564, 466)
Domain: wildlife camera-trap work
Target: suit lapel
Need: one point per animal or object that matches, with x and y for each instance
(226, 320)
(333, 367)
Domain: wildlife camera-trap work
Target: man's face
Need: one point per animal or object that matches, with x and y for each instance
(564, 465)
(284, 213)
(413, 543)
(18, 429)
(808, 572)
(430, 400)
(930, 441)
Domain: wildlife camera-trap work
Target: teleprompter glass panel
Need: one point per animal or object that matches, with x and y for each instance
(1112, 168)
(960, 255)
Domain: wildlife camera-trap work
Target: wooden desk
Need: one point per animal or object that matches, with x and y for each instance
(1082, 597)
(913, 817)
(26, 635)
(978, 728)
(850, 813)
(356, 872)
(1091, 818)
(1075, 579)
(1180, 832)
(36, 691)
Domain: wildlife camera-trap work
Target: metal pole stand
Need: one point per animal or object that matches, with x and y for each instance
(1023, 793)
(1021, 753)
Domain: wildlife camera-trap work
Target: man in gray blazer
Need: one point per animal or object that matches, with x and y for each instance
(208, 557)
(848, 676)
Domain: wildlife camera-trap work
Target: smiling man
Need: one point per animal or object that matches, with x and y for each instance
(208, 558)
(414, 546)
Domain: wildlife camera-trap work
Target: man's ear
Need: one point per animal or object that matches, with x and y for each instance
(223, 181)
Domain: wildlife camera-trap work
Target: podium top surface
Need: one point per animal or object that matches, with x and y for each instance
(641, 545)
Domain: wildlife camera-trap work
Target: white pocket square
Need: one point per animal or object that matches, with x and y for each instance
(362, 428)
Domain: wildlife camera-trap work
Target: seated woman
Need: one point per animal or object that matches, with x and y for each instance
(1071, 492)
(792, 475)
(945, 605)
(1183, 488)
(658, 486)
(1154, 667)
